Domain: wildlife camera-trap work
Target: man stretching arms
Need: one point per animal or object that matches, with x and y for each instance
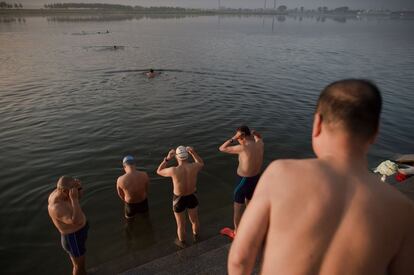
(70, 221)
(250, 150)
(334, 217)
(184, 177)
(132, 188)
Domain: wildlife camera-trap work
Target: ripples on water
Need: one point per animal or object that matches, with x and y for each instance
(71, 104)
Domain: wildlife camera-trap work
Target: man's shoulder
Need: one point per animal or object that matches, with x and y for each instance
(52, 200)
(292, 172)
(120, 178)
(293, 166)
(141, 175)
(145, 174)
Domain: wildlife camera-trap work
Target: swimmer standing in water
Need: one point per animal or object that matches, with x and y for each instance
(132, 188)
(184, 178)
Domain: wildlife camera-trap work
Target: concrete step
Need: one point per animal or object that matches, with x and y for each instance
(164, 246)
(207, 257)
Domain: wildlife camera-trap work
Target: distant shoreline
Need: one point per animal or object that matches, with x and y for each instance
(200, 12)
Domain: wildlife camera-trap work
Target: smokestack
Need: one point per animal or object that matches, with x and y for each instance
(274, 6)
(219, 4)
(265, 4)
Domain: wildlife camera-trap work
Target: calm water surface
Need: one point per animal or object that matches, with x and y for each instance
(72, 104)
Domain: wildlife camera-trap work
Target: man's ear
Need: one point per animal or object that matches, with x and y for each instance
(317, 125)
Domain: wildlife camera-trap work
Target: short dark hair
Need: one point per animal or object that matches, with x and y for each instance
(244, 130)
(65, 183)
(355, 104)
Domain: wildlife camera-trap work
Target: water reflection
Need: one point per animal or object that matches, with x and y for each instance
(114, 17)
(139, 232)
(321, 18)
(8, 20)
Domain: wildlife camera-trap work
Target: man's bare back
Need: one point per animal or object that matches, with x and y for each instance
(184, 178)
(329, 215)
(250, 151)
(324, 221)
(134, 186)
(250, 158)
(184, 175)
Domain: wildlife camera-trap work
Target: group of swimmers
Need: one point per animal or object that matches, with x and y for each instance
(327, 215)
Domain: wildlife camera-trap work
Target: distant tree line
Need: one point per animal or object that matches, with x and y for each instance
(108, 7)
(5, 5)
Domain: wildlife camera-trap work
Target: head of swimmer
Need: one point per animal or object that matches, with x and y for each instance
(128, 163)
(66, 183)
(243, 133)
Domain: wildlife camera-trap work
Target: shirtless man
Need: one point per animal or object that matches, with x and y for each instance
(250, 150)
(132, 188)
(329, 215)
(151, 73)
(70, 221)
(184, 177)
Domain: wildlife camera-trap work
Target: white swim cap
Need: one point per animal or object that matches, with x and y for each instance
(181, 153)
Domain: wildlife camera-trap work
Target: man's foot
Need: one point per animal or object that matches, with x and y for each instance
(180, 244)
(226, 231)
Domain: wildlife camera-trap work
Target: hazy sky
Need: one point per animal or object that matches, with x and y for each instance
(358, 4)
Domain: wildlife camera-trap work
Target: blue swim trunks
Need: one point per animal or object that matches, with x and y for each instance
(245, 188)
(74, 243)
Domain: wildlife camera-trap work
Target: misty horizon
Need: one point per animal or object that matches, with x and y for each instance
(209, 4)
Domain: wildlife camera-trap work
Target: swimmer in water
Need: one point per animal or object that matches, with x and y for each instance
(151, 73)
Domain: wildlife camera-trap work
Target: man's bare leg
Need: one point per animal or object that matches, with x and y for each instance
(180, 219)
(238, 212)
(79, 266)
(193, 215)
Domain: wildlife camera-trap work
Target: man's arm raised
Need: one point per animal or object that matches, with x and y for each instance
(162, 168)
(196, 157)
(257, 137)
(252, 230)
(66, 216)
(227, 148)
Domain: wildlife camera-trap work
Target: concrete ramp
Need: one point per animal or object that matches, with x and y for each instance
(207, 257)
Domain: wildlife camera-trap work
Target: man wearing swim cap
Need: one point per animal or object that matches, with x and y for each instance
(329, 215)
(66, 214)
(184, 177)
(250, 151)
(132, 188)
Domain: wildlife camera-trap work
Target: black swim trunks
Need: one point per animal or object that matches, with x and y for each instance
(131, 209)
(244, 188)
(180, 203)
(74, 243)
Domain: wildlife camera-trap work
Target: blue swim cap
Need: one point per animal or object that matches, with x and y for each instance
(130, 160)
